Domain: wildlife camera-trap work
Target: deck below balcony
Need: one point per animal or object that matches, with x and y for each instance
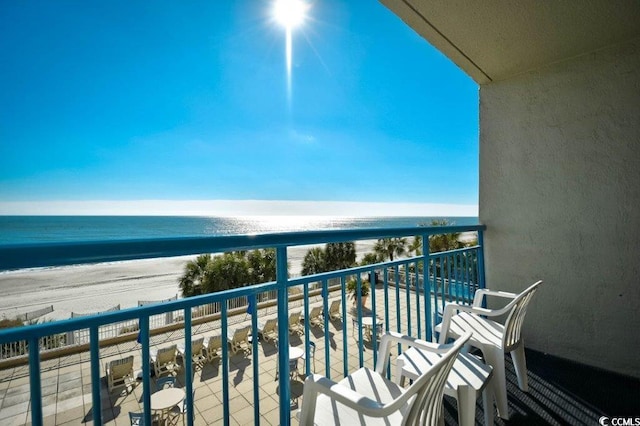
(560, 392)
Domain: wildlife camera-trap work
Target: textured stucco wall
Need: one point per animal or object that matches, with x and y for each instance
(560, 195)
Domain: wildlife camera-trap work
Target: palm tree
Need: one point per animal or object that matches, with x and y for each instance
(262, 265)
(370, 259)
(195, 271)
(314, 262)
(339, 256)
(386, 248)
(231, 270)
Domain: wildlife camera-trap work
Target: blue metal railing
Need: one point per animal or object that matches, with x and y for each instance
(429, 279)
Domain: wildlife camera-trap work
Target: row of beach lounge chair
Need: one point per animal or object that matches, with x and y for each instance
(120, 372)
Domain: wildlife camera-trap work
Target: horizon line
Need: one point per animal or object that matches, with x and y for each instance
(233, 208)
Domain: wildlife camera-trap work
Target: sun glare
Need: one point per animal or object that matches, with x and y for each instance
(289, 13)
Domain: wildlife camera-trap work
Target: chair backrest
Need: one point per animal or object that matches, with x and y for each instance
(334, 308)
(165, 382)
(513, 324)
(425, 394)
(215, 343)
(197, 346)
(121, 367)
(316, 311)
(166, 355)
(270, 326)
(241, 334)
(294, 319)
(136, 419)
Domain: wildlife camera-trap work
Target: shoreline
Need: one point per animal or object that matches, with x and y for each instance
(90, 288)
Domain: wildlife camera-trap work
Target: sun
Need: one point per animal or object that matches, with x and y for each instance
(290, 13)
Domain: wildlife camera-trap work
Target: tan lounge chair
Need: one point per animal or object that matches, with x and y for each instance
(197, 351)
(240, 340)
(294, 323)
(315, 316)
(334, 310)
(119, 373)
(164, 361)
(213, 347)
(269, 330)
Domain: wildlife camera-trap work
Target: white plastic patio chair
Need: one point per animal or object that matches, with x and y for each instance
(368, 397)
(493, 338)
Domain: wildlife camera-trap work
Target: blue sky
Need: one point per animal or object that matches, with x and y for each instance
(181, 101)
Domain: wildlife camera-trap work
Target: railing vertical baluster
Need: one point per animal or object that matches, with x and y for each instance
(374, 322)
(416, 287)
(255, 361)
(146, 368)
(427, 286)
(225, 362)
(327, 341)
(34, 381)
(434, 274)
(385, 286)
(94, 350)
(282, 278)
(453, 291)
(442, 299)
(359, 319)
(305, 302)
(396, 273)
(407, 291)
(465, 258)
(188, 365)
(345, 345)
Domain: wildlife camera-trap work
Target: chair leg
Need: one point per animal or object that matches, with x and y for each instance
(466, 406)
(499, 381)
(487, 403)
(520, 365)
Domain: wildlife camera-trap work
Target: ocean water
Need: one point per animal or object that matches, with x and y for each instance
(41, 229)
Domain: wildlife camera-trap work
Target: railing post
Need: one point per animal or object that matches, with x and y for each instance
(256, 369)
(146, 368)
(225, 363)
(427, 287)
(481, 277)
(188, 366)
(283, 335)
(345, 351)
(34, 381)
(94, 343)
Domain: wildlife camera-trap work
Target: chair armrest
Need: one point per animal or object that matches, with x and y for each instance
(316, 384)
(392, 337)
(479, 295)
(452, 308)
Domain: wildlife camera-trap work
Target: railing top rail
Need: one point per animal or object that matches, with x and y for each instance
(73, 253)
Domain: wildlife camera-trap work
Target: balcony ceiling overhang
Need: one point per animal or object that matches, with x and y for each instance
(493, 40)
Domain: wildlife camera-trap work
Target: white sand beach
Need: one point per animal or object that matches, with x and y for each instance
(92, 288)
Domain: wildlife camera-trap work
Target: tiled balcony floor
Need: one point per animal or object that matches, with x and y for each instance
(560, 392)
